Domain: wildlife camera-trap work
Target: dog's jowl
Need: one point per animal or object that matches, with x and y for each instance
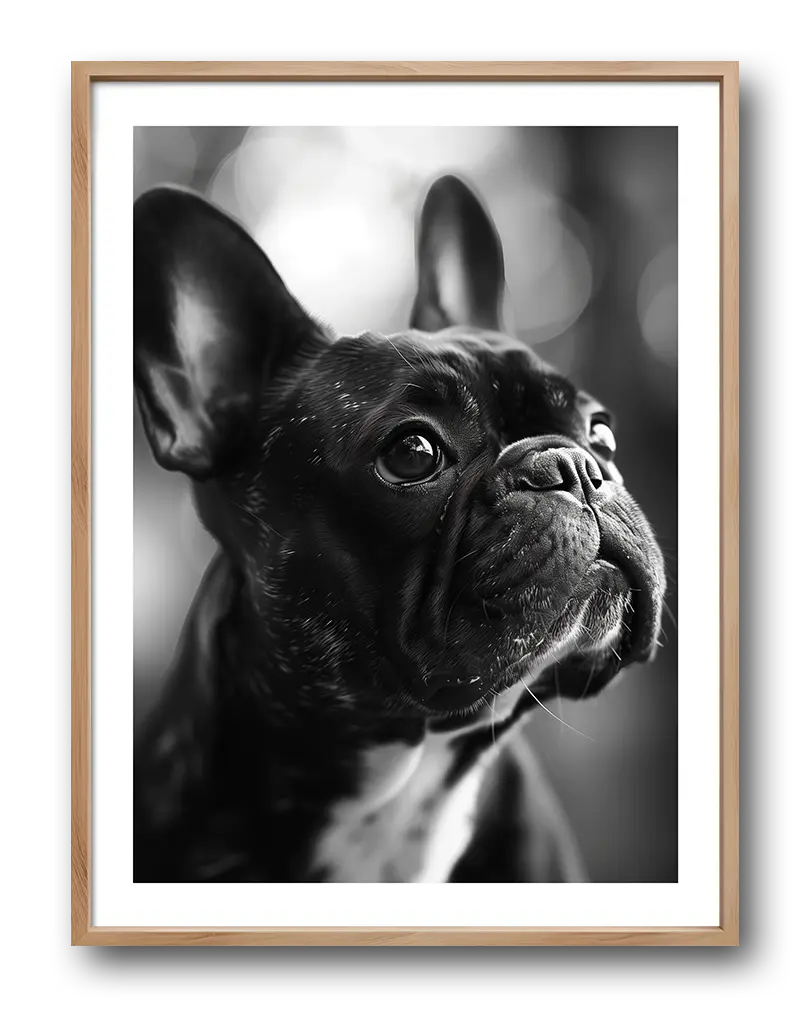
(415, 530)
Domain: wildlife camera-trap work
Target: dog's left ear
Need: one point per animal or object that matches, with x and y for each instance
(461, 279)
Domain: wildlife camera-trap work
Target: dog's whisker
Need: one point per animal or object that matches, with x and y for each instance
(558, 691)
(541, 704)
(588, 682)
(258, 519)
(449, 613)
(396, 348)
(669, 613)
(467, 555)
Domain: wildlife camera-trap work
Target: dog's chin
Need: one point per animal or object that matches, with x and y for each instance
(580, 638)
(608, 620)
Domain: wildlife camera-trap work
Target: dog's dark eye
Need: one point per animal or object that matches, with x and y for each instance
(409, 459)
(601, 436)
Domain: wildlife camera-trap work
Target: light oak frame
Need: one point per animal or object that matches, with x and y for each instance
(726, 75)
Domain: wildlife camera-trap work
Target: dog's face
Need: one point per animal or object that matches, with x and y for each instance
(423, 518)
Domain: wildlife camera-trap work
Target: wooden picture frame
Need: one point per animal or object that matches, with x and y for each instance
(84, 76)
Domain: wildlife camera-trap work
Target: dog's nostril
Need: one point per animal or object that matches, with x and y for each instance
(544, 472)
(593, 473)
(570, 470)
(527, 484)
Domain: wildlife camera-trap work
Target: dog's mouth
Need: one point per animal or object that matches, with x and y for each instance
(454, 693)
(609, 620)
(598, 624)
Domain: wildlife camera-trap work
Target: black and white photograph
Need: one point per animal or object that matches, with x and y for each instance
(405, 504)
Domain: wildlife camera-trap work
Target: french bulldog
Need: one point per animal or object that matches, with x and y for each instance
(417, 532)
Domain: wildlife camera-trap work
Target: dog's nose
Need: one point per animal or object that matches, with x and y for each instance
(570, 470)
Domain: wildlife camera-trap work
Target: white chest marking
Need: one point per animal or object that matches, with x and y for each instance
(406, 824)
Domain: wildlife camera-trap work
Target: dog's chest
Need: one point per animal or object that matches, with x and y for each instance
(411, 820)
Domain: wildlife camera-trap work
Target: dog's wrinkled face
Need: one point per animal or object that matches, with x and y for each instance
(425, 517)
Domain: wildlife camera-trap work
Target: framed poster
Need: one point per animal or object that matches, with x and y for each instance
(376, 581)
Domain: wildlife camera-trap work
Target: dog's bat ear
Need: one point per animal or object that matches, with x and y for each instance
(461, 280)
(212, 321)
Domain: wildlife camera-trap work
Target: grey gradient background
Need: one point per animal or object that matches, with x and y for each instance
(588, 219)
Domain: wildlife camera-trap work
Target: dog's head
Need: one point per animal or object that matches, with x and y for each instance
(426, 517)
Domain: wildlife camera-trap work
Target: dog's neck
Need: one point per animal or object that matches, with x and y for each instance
(289, 682)
(275, 745)
(364, 793)
(293, 683)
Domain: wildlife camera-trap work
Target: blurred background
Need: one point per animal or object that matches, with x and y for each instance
(588, 219)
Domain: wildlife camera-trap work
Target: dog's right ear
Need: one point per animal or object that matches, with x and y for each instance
(212, 322)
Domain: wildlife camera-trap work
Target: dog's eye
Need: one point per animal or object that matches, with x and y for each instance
(601, 436)
(410, 459)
